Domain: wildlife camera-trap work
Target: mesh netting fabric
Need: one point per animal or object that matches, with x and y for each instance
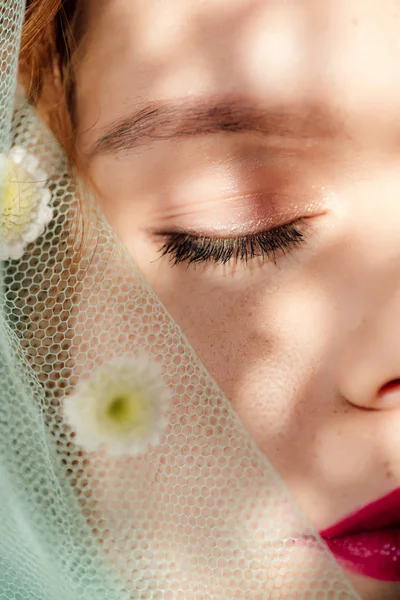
(203, 514)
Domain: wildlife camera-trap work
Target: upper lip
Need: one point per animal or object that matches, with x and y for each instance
(383, 513)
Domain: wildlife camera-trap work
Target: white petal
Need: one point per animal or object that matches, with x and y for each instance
(17, 154)
(34, 231)
(45, 214)
(40, 176)
(15, 251)
(46, 195)
(30, 163)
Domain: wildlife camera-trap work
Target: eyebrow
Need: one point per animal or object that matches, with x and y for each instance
(160, 121)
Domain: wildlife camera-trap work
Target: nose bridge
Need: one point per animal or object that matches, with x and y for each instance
(369, 360)
(369, 207)
(378, 332)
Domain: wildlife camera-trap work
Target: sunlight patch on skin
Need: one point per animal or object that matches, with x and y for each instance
(184, 79)
(274, 64)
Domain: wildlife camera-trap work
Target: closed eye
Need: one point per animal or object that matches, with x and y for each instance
(183, 247)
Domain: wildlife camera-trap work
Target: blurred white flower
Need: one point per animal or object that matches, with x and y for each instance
(122, 408)
(24, 202)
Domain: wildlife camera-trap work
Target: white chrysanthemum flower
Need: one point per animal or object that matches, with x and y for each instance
(122, 409)
(25, 211)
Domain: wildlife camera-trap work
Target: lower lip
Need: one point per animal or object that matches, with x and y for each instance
(374, 553)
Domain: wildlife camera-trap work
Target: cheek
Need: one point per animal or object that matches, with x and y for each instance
(267, 347)
(260, 339)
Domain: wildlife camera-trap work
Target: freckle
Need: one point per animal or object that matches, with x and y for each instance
(354, 22)
(388, 470)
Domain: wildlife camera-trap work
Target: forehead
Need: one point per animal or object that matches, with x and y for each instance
(340, 52)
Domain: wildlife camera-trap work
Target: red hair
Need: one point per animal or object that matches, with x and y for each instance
(48, 47)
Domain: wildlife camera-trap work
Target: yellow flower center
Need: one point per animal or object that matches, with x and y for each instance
(118, 409)
(20, 200)
(128, 411)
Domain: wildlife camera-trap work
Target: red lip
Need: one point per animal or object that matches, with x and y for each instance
(368, 541)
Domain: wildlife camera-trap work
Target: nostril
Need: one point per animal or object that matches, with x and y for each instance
(391, 386)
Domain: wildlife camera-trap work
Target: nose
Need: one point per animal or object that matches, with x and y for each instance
(369, 366)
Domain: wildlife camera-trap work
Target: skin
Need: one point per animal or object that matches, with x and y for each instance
(304, 348)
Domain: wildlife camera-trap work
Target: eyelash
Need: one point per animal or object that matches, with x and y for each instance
(186, 248)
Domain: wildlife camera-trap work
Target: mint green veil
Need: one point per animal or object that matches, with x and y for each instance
(199, 515)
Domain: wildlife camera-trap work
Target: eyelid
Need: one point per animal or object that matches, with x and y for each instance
(216, 234)
(248, 222)
(239, 216)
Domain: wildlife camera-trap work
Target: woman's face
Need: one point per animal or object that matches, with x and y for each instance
(261, 138)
